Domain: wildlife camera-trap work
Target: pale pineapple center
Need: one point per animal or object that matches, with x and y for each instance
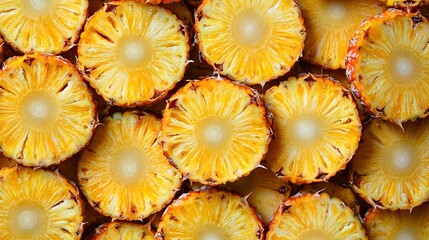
(306, 130)
(213, 133)
(337, 10)
(127, 165)
(400, 159)
(28, 219)
(250, 29)
(407, 233)
(39, 109)
(134, 52)
(315, 235)
(404, 66)
(37, 7)
(211, 232)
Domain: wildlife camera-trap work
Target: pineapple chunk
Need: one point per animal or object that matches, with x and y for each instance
(46, 110)
(250, 41)
(210, 215)
(123, 172)
(215, 130)
(38, 205)
(118, 230)
(42, 25)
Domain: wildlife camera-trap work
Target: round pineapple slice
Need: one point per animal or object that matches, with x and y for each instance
(208, 215)
(388, 65)
(405, 3)
(46, 110)
(118, 230)
(38, 205)
(42, 25)
(391, 166)
(400, 224)
(123, 172)
(316, 125)
(250, 41)
(133, 53)
(330, 25)
(264, 191)
(215, 130)
(315, 216)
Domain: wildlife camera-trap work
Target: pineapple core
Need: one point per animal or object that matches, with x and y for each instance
(337, 10)
(134, 52)
(127, 165)
(407, 233)
(39, 109)
(306, 130)
(211, 232)
(315, 235)
(28, 219)
(400, 159)
(404, 66)
(250, 29)
(213, 133)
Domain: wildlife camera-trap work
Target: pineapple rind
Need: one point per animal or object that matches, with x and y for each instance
(123, 230)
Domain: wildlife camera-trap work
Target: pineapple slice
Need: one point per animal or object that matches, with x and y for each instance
(391, 166)
(331, 24)
(123, 172)
(250, 41)
(265, 191)
(388, 65)
(210, 214)
(118, 230)
(133, 53)
(215, 130)
(405, 3)
(38, 205)
(42, 25)
(400, 224)
(316, 125)
(159, 1)
(46, 110)
(315, 216)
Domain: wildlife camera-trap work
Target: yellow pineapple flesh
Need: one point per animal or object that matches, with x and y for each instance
(405, 3)
(38, 205)
(46, 110)
(123, 172)
(215, 130)
(120, 230)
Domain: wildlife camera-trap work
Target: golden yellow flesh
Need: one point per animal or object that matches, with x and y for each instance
(314, 216)
(124, 231)
(123, 172)
(390, 168)
(398, 225)
(317, 128)
(330, 26)
(46, 110)
(209, 215)
(250, 41)
(215, 131)
(405, 3)
(42, 25)
(38, 205)
(393, 68)
(132, 52)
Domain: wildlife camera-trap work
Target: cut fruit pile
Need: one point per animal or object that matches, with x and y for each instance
(214, 119)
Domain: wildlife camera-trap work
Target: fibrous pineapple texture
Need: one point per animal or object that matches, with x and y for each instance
(315, 216)
(119, 230)
(330, 25)
(317, 128)
(387, 65)
(46, 110)
(38, 205)
(210, 214)
(123, 172)
(215, 130)
(250, 41)
(391, 166)
(405, 3)
(42, 25)
(133, 53)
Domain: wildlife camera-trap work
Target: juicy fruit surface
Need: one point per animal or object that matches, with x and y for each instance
(250, 41)
(405, 3)
(118, 230)
(387, 65)
(133, 53)
(209, 214)
(215, 130)
(317, 128)
(42, 25)
(39, 205)
(123, 172)
(390, 167)
(46, 110)
(315, 216)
